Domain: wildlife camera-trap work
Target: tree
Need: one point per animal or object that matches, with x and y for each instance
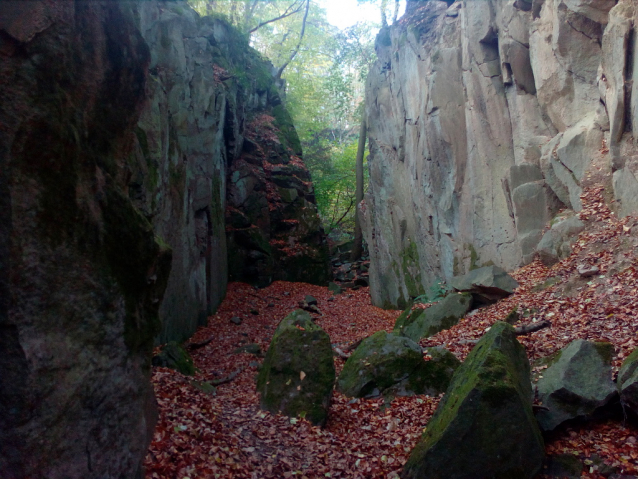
(357, 247)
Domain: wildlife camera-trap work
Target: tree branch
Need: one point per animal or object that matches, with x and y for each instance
(286, 14)
(296, 50)
(532, 327)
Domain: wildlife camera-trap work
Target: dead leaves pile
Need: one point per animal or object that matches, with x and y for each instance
(224, 434)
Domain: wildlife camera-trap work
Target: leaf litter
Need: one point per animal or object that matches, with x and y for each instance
(219, 432)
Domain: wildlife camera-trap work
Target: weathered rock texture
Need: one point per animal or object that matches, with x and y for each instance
(483, 119)
(576, 384)
(81, 274)
(120, 123)
(298, 372)
(484, 426)
(218, 169)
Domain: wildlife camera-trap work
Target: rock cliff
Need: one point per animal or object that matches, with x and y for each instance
(81, 273)
(485, 118)
(217, 168)
(128, 135)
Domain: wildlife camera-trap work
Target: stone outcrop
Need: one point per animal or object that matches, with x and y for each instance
(423, 323)
(298, 372)
(81, 272)
(388, 364)
(576, 384)
(484, 426)
(121, 126)
(628, 382)
(217, 167)
(484, 118)
(487, 285)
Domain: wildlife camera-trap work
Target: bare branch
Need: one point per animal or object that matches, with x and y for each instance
(296, 50)
(289, 11)
(532, 327)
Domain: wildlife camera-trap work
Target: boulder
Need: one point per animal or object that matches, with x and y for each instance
(386, 363)
(576, 383)
(484, 426)
(298, 372)
(556, 243)
(174, 356)
(423, 323)
(487, 285)
(628, 382)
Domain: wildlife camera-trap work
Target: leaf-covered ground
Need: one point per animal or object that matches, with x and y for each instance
(224, 434)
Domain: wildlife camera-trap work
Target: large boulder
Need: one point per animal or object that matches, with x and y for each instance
(298, 372)
(487, 285)
(423, 323)
(484, 426)
(628, 382)
(556, 243)
(576, 383)
(385, 363)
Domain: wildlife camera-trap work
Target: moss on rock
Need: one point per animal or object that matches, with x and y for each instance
(298, 372)
(423, 323)
(484, 426)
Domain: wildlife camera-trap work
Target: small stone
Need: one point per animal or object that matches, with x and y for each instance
(271, 305)
(236, 320)
(286, 293)
(586, 271)
(254, 311)
(311, 300)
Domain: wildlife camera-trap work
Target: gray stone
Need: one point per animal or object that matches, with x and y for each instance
(311, 300)
(334, 288)
(484, 426)
(423, 323)
(298, 372)
(556, 243)
(563, 466)
(628, 382)
(236, 320)
(388, 364)
(81, 271)
(576, 384)
(487, 284)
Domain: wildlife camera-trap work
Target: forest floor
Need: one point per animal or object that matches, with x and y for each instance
(224, 434)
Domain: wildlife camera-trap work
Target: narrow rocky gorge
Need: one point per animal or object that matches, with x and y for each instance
(484, 119)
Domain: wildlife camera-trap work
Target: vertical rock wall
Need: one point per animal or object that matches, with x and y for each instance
(484, 117)
(120, 124)
(209, 134)
(81, 275)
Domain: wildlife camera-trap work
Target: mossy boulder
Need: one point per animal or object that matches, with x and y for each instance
(486, 285)
(174, 356)
(423, 323)
(576, 384)
(628, 382)
(298, 372)
(484, 426)
(388, 364)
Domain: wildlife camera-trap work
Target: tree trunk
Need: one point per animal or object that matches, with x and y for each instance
(357, 247)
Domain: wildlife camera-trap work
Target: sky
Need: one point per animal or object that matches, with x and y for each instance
(344, 13)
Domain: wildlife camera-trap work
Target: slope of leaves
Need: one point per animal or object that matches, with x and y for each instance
(225, 435)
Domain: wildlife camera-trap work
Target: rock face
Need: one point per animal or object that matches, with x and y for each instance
(576, 384)
(628, 382)
(393, 365)
(484, 426)
(423, 323)
(81, 272)
(486, 285)
(483, 120)
(298, 372)
(218, 168)
(121, 123)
